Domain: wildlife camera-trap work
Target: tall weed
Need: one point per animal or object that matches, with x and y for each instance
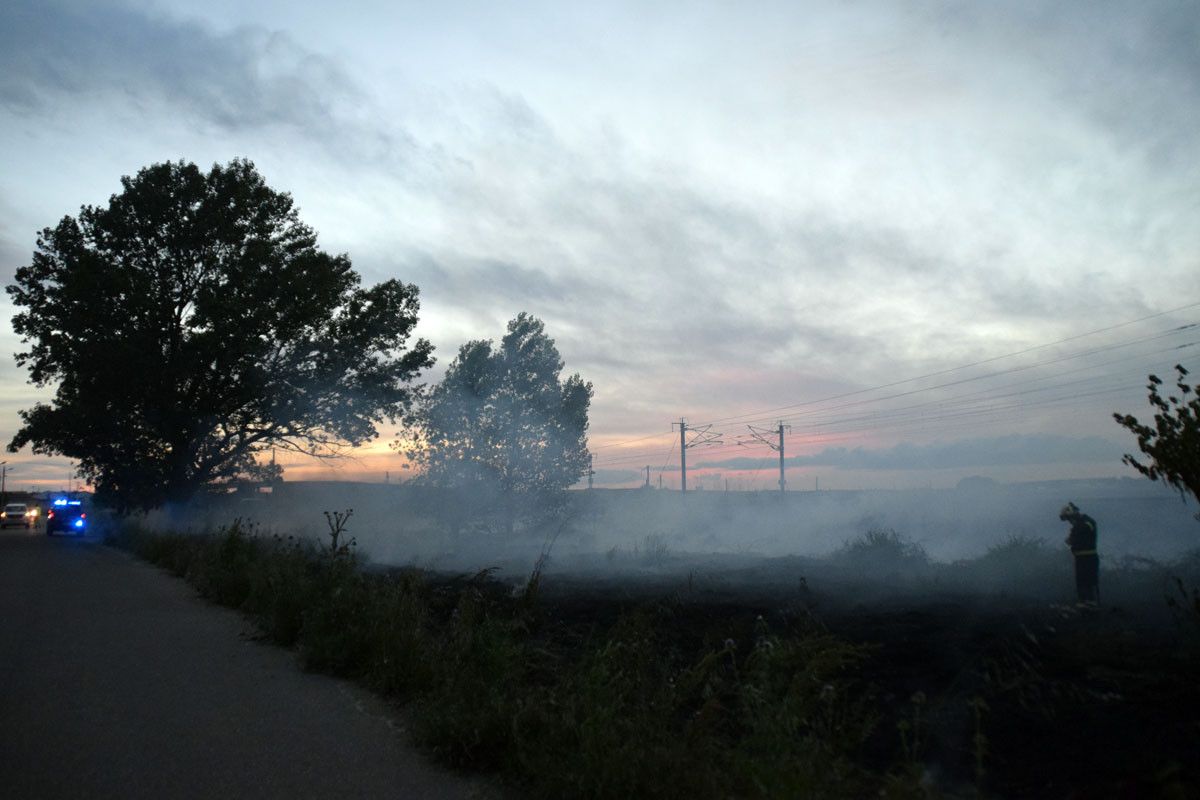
(478, 665)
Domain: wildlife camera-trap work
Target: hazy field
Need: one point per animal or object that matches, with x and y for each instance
(640, 530)
(696, 646)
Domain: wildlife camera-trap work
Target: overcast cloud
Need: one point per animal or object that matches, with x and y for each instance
(716, 210)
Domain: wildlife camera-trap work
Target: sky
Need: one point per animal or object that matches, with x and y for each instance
(934, 240)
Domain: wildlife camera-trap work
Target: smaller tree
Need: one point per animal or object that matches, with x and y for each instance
(502, 426)
(1173, 444)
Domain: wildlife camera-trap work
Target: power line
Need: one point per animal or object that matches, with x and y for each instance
(998, 373)
(813, 414)
(959, 382)
(950, 403)
(666, 461)
(877, 422)
(968, 419)
(629, 441)
(741, 417)
(893, 419)
(947, 408)
(972, 416)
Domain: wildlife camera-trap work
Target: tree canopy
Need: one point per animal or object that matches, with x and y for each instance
(1173, 443)
(192, 323)
(503, 421)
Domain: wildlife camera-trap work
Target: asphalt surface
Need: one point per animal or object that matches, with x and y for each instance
(117, 681)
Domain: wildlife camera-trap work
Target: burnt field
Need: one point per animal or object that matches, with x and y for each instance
(657, 672)
(968, 693)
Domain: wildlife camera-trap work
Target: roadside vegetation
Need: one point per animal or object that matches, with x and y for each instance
(560, 706)
(601, 694)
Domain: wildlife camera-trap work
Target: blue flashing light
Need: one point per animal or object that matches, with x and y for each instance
(60, 501)
(78, 523)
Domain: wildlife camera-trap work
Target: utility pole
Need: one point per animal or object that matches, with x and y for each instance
(3, 482)
(647, 476)
(590, 471)
(701, 437)
(760, 435)
(782, 472)
(683, 453)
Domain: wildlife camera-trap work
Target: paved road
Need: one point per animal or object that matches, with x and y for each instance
(116, 681)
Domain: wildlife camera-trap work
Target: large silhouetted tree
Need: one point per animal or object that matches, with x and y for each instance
(1173, 443)
(191, 323)
(503, 425)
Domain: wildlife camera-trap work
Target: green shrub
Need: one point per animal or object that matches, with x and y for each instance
(399, 620)
(477, 671)
(616, 725)
(884, 554)
(281, 589)
(803, 719)
(335, 634)
(1017, 552)
(1021, 564)
(222, 571)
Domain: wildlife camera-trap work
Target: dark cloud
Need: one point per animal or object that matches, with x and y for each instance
(54, 53)
(1002, 451)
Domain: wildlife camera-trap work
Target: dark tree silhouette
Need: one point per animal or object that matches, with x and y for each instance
(191, 324)
(1173, 444)
(502, 425)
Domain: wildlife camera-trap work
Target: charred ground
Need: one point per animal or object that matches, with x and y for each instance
(1010, 695)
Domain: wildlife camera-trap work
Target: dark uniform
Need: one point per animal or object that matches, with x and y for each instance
(1082, 541)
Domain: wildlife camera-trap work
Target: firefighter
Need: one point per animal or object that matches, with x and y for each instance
(1082, 541)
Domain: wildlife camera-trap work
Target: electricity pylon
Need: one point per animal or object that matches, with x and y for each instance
(761, 434)
(701, 437)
